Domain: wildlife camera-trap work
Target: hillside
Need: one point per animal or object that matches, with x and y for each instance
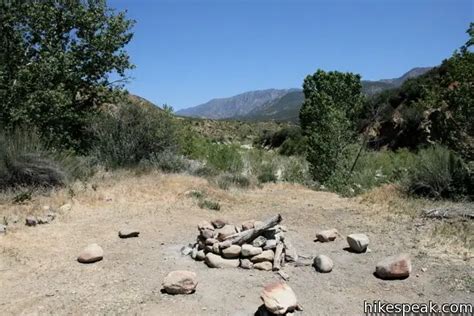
(279, 105)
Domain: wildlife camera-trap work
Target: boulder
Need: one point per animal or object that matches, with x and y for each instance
(394, 267)
(225, 231)
(225, 244)
(231, 252)
(259, 241)
(327, 235)
(90, 254)
(205, 225)
(219, 223)
(246, 264)
(266, 255)
(31, 221)
(128, 233)
(279, 298)
(200, 255)
(358, 242)
(249, 250)
(216, 261)
(270, 244)
(248, 225)
(265, 266)
(180, 282)
(323, 263)
(207, 234)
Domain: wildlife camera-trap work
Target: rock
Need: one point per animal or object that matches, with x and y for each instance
(194, 252)
(279, 298)
(31, 221)
(249, 250)
(327, 235)
(246, 264)
(216, 261)
(219, 223)
(180, 282)
(43, 220)
(248, 225)
(200, 255)
(323, 263)
(207, 234)
(259, 241)
(3, 229)
(291, 255)
(225, 231)
(128, 233)
(208, 248)
(266, 255)
(91, 253)
(211, 241)
(358, 242)
(66, 207)
(225, 244)
(394, 267)
(231, 252)
(424, 269)
(216, 249)
(205, 225)
(186, 250)
(265, 266)
(270, 244)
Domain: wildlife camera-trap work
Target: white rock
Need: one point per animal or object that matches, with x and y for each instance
(279, 298)
(323, 264)
(358, 242)
(91, 253)
(266, 255)
(327, 235)
(246, 264)
(3, 229)
(265, 266)
(270, 244)
(249, 250)
(231, 252)
(180, 282)
(216, 261)
(394, 267)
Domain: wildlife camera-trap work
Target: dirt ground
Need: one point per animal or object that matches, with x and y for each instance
(39, 274)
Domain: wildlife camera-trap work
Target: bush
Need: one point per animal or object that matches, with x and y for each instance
(166, 161)
(267, 174)
(212, 205)
(439, 173)
(130, 134)
(225, 181)
(225, 158)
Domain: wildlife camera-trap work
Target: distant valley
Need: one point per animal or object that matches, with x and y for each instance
(278, 104)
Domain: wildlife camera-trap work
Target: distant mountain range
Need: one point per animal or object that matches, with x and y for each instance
(278, 105)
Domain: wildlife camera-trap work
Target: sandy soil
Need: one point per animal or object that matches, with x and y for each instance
(39, 274)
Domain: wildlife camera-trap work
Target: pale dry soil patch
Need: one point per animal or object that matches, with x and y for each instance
(39, 274)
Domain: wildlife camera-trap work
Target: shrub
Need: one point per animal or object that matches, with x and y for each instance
(225, 158)
(130, 134)
(212, 205)
(225, 181)
(267, 174)
(166, 161)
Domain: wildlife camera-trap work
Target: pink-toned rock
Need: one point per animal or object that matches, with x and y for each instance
(225, 231)
(327, 235)
(216, 261)
(207, 233)
(205, 225)
(265, 266)
(394, 267)
(279, 298)
(180, 282)
(248, 225)
(266, 255)
(91, 253)
(219, 223)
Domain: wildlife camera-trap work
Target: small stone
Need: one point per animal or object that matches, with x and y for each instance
(43, 220)
(180, 282)
(291, 255)
(128, 233)
(231, 252)
(216, 261)
(224, 232)
(225, 244)
(266, 255)
(31, 221)
(66, 207)
(216, 249)
(200, 255)
(394, 267)
(208, 248)
(424, 269)
(358, 242)
(249, 250)
(194, 252)
(270, 244)
(265, 266)
(247, 225)
(246, 264)
(207, 233)
(323, 264)
(327, 235)
(91, 253)
(259, 241)
(186, 250)
(3, 229)
(279, 298)
(219, 223)
(205, 225)
(211, 241)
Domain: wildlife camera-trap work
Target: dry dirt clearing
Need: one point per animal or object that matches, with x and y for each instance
(39, 273)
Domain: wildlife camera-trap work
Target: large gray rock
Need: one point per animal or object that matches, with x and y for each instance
(358, 242)
(180, 282)
(231, 252)
(226, 231)
(394, 267)
(247, 225)
(249, 250)
(270, 244)
(323, 264)
(266, 255)
(265, 266)
(91, 253)
(327, 235)
(259, 241)
(205, 225)
(216, 261)
(279, 298)
(291, 255)
(200, 255)
(219, 223)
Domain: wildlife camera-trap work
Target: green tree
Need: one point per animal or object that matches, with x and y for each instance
(332, 101)
(57, 61)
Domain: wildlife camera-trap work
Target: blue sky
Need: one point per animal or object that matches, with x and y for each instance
(187, 52)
